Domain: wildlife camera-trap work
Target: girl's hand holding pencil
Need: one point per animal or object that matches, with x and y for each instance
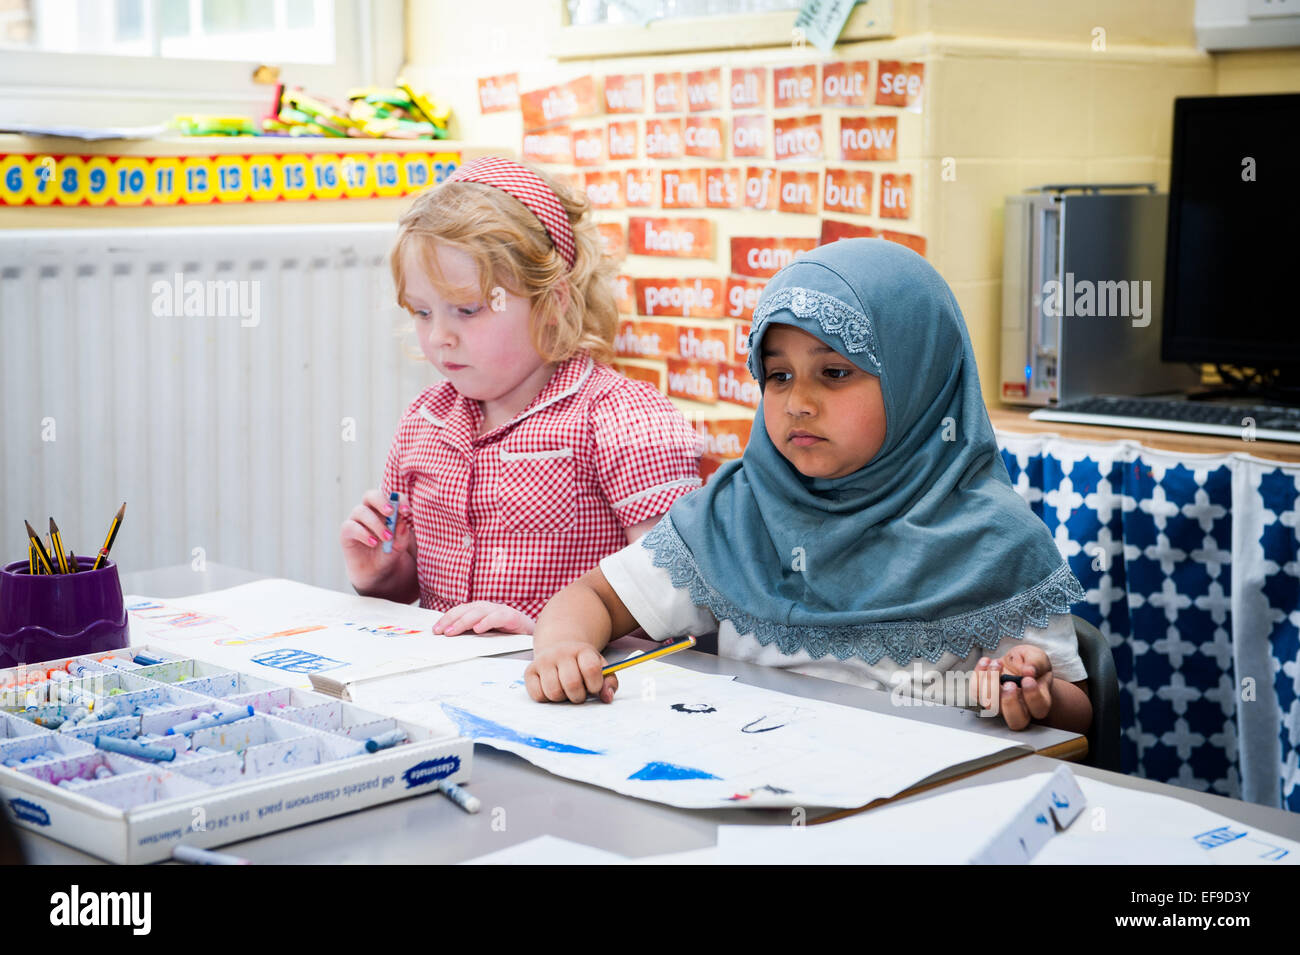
(363, 535)
(1019, 685)
(569, 670)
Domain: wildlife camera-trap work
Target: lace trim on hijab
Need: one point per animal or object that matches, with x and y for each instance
(902, 641)
(836, 318)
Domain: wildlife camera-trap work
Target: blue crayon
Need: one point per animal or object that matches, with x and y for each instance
(107, 711)
(209, 719)
(145, 661)
(130, 747)
(385, 740)
(196, 856)
(393, 499)
(459, 796)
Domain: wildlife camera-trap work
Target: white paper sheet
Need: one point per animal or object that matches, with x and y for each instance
(1117, 826)
(548, 850)
(687, 739)
(1124, 825)
(285, 631)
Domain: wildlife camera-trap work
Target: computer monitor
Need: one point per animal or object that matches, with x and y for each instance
(1232, 258)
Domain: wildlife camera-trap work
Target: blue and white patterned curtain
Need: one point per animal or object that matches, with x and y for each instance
(1191, 563)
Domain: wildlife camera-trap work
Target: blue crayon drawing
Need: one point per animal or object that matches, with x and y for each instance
(1218, 837)
(653, 771)
(1226, 834)
(476, 727)
(297, 661)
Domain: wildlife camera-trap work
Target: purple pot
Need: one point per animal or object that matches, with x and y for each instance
(45, 617)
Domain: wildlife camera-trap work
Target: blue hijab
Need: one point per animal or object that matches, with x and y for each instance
(926, 549)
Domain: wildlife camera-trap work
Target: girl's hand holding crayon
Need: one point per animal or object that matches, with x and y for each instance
(481, 616)
(363, 534)
(1018, 703)
(569, 670)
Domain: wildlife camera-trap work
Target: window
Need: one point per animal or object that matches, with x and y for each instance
(283, 31)
(139, 62)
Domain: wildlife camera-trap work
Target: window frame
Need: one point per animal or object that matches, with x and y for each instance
(59, 88)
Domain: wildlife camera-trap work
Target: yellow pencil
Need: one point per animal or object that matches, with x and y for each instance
(663, 651)
(57, 543)
(108, 542)
(46, 566)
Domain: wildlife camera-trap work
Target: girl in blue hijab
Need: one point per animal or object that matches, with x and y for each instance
(869, 534)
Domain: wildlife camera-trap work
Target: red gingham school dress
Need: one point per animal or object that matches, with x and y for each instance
(515, 515)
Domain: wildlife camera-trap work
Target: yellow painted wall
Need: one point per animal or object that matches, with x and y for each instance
(1257, 71)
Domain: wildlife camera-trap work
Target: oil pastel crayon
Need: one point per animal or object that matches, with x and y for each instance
(385, 740)
(49, 715)
(204, 720)
(393, 499)
(107, 712)
(131, 747)
(196, 856)
(145, 661)
(459, 796)
(1010, 678)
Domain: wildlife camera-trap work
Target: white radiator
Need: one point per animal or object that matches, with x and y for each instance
(242, 435)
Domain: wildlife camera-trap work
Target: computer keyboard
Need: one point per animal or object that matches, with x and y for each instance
(1260, 422)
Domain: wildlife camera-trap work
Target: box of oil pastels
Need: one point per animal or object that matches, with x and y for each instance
(126, 754)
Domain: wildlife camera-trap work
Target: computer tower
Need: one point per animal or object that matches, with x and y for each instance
(1082, 295)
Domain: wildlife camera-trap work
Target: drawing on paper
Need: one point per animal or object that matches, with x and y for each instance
(476, 727)
(1223, 835)
(770, 790)
(278, 635)
(683, 745)
(694, 708)
(1218, 837)
(297, 661)
(387, 630)
(659, 771)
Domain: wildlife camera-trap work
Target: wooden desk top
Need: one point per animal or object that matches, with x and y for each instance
(1017, 420)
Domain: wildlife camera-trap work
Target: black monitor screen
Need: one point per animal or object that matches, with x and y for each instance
(1232, 261)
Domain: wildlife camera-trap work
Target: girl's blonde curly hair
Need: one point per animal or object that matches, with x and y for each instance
(573, 309)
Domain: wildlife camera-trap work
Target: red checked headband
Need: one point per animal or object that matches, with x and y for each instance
(529, 188)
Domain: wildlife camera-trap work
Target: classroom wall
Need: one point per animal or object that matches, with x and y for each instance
(1018, 93)
(1257, 71)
